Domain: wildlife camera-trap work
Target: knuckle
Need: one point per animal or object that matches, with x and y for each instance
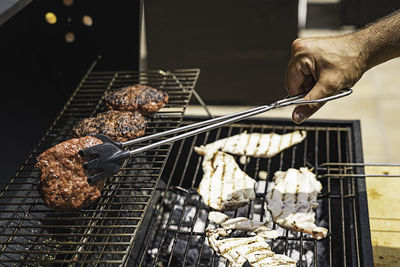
(299, 44)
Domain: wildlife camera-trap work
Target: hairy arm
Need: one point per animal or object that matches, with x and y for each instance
(380, 41)
(321, 66)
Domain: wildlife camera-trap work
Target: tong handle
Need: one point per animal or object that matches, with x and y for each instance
(298, 100)
(221, 121)
(187, 127)
(294, 100)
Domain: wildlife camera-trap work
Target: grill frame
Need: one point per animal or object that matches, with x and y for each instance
(110, 226)
(358, 253)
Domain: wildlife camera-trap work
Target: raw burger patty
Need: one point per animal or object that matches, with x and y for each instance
(118, 125)
(63, 181)
(145, 99)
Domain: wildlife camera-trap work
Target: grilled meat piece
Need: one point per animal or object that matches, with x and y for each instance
(224, 185)
(142, 98)
(118, 125)
(63, 180)
(292, 200)
(253, 249)
(255, 144)
(263, 258)
(242, 223)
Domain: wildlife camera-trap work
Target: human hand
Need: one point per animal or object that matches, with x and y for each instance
(320, 67)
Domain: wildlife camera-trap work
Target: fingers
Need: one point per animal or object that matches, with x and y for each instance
(303, 112)
(294, 78)
(300, 76)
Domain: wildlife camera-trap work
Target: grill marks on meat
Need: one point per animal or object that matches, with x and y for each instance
(238, 250)
(224, 185)
(292, 199)
(253, 249)
(142, 98)
(63, 180)
(242, 223)
(118, 125)
(255, 144)
(125, 120)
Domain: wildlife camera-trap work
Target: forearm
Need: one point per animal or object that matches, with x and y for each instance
(379, 41)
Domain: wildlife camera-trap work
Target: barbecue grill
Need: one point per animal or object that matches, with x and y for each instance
(150, 213)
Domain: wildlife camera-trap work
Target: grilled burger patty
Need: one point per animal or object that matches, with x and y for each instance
(142, 98)
(63, 181)
(118, 125)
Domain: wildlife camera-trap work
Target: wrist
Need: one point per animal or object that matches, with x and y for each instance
(380, 41)
(362, 49)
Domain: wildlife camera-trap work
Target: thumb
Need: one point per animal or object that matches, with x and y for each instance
(303, 112)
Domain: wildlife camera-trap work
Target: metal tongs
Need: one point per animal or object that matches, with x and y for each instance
(108, 157)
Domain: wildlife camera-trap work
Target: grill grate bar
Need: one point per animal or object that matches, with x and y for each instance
(342, 204)
(329, 201)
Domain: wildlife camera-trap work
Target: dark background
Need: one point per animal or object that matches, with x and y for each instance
(39, 70)
(242, 47)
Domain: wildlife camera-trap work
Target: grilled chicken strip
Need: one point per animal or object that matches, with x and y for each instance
(142, 98)
(255, 144)
(118, 125)
(263, 259)
(292, 199)
(238, 250)
(224, 185)
(63, 180)
(242, 223)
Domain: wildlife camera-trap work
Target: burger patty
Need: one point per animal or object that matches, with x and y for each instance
(142, 98)
(63, 180)
(118, 125)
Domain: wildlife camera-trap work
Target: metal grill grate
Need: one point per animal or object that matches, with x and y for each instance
(177, 231)
(31, 234)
